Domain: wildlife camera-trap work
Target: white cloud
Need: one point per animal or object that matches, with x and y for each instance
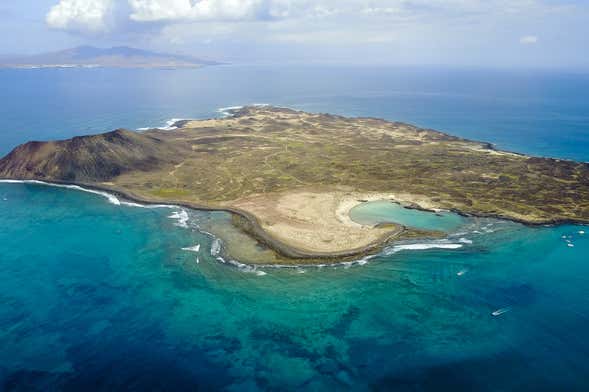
(528, 40)
(80, 15)
(207, 10)
(384, 31)
(381, 11)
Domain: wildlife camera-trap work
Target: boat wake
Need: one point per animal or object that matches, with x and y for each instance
(501, 311)
(462, 272)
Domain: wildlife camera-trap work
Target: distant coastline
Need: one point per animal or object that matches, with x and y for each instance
(92, 57)
(42, 66)
(89, 66)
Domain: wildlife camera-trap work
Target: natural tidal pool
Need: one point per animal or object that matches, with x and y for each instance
(100, 295)
(383, 211)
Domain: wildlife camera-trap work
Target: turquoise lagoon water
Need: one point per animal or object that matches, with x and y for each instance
(101, 295)
(374, 212)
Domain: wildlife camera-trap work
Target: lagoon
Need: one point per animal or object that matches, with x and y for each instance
(375, 212)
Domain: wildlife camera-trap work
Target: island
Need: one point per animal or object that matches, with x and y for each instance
(115, 57)
(289, 178)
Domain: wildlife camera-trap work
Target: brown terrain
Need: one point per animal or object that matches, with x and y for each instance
(291, 177)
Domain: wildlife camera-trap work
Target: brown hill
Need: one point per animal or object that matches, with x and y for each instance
(87, 158)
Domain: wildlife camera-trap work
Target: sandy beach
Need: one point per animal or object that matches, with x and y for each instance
(315, 221)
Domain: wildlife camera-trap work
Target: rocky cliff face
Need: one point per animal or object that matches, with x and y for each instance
(86, 158)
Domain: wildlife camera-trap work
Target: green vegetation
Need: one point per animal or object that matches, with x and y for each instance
(170, 192)
(273, 151)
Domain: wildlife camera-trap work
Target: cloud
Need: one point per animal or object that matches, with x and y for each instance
(381, 10)
(80, 15)
(373, 31)
(105, 15)
(208, 10)
(528, 40)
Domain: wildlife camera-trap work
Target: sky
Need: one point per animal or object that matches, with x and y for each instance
(487, 33)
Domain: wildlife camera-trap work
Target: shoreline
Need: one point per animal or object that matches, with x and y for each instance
(256, 231)
(295, 210)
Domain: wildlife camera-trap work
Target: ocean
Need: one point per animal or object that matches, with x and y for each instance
(96, 294)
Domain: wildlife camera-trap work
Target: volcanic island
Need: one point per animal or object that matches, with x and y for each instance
(290, 178)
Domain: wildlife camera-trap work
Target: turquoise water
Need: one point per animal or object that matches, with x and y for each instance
(374, 212)
(101, 295)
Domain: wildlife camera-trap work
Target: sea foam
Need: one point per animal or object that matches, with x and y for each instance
(246, 268)
(182, 218)
(226, 111)
(195, 248)
(110, 197)
(216, 247)
(424, 246)
(168, 127)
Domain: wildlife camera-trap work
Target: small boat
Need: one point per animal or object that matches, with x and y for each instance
(462, 272)
(197, 260)
(499, 312)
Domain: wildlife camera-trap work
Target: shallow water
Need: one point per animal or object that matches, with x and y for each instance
(96, 295)
(374, 212)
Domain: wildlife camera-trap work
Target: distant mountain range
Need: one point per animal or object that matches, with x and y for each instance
(116, 57)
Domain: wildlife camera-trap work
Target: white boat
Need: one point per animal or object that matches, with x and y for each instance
(499, 312)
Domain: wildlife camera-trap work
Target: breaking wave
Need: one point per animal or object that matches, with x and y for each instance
(113, 199)
(181, 217)
(109, 196)
(195, 248)
(216, 247)
(422, 246)
(227, 111)
(170, 125)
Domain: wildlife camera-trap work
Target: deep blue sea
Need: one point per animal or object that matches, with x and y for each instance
(100, 295)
